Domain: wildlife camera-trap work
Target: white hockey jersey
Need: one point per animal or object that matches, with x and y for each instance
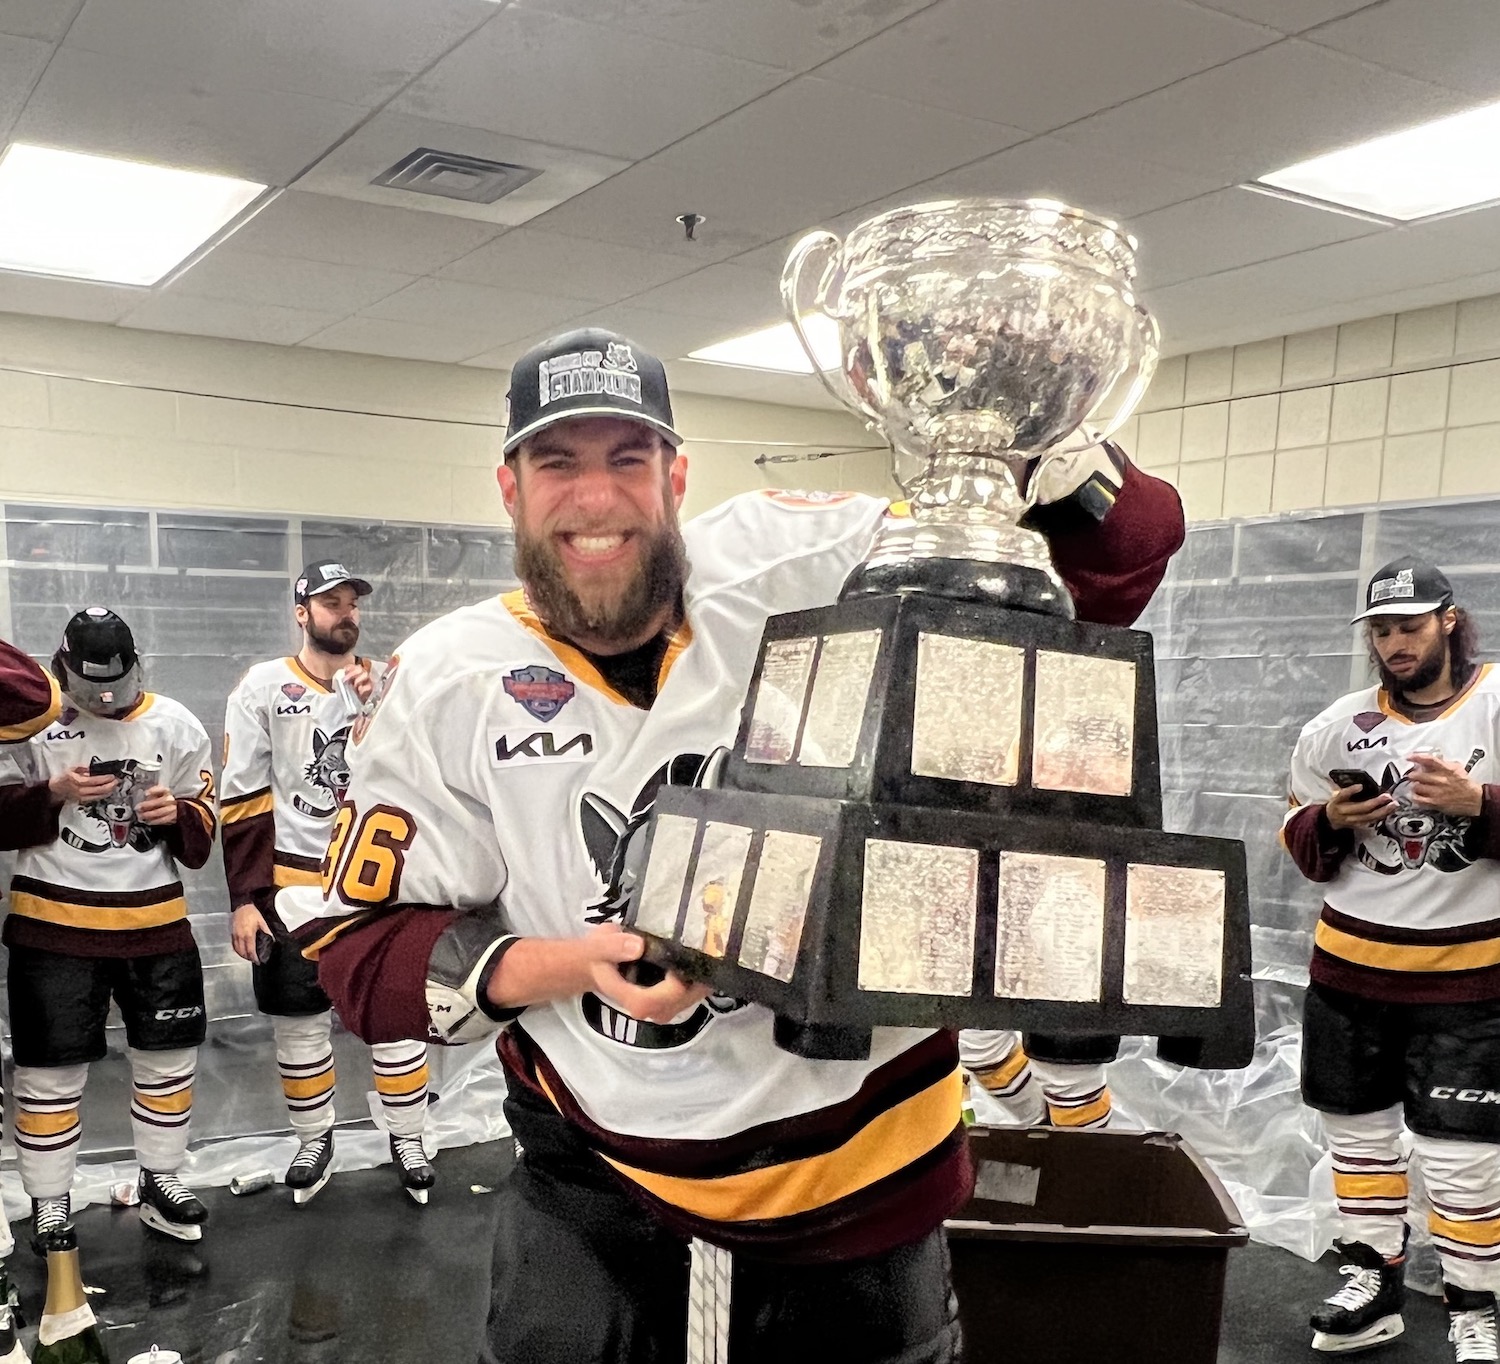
(500, 765)
(1412, 911)
(96, 881)
(286, 735)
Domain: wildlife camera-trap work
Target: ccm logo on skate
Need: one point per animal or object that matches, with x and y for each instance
(169, 1015)
(1466, 1096)
(519, 747)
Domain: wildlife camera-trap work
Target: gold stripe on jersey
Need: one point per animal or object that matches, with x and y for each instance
(1383, 699)
(99, 915)
(148, 699)
(283, 875)
(885, 1146)
(1392, 956)
(578, 662)
(202, 811)
(232, 809)
(24, 729)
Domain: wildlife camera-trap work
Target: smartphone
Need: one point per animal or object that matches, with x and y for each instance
(1369, 788)
(106, 767)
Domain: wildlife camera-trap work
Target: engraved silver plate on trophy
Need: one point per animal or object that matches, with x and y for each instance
(840, 691)
(1174, 936)
(716, 887)
(1085, 724)
(916, 931)
(666, 874)
(778, 903)
(778, 700)
(967, 722)
(1049, 933)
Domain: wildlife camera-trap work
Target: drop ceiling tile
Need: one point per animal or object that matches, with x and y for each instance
(749, 298)
(22, 61)
(79, 299)
(558, 81)
(671, 336)
(1230, 228)
(1069, 58)
(499, 315)
(765, 169)
(355, 51)
(1449, 42)
(790, 34)
(322, 228)
(92, 103)
(241, 276)
(167, 312)
(1289, 16)
(349, 168)
(46, 19)
(570, 267)
(401, 340)
(501, 357)
(1264, 111)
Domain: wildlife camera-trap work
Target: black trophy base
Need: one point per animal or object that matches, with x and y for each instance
(1014, 586)
(821, 1041)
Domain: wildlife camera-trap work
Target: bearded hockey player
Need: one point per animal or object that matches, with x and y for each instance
(1394, 810)
(287, 732)
(106, 802)
(479, 867)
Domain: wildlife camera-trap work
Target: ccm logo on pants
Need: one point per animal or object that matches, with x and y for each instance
(168, 1015)
(1466, 1096)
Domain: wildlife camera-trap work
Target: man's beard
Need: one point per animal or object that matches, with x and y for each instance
(1428, 671)
(617, 618)
(340, 640)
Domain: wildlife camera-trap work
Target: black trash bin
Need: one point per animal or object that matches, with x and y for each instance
(1089, 1246)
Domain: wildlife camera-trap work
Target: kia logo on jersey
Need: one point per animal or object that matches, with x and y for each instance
(539, 690)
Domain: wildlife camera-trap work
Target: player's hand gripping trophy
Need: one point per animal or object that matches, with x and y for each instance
(943, 808)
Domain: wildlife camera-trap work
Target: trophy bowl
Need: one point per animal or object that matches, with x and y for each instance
(982, 337)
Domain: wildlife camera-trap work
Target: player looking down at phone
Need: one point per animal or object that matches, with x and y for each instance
(106, 802)
(1394, 793)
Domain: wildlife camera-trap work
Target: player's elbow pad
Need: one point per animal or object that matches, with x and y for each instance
(458, 975)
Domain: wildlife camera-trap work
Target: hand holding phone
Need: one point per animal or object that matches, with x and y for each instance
(1343, 777)
(1361, 809)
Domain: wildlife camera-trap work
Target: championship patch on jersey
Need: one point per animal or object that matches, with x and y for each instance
(541, 691)
(804, 501)
(1367, 720)
(293, 691)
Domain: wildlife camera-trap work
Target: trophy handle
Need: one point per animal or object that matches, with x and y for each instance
(791, 298)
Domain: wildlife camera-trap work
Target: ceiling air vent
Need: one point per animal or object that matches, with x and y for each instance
(451, 175)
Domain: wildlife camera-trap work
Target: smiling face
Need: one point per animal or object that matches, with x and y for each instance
(594, 501)
(1412, 651)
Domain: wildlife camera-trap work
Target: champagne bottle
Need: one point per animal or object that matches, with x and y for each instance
(69, 1334)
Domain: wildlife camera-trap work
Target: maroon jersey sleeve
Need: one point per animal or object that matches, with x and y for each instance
(29, 698)
(1113, 566)
(1316, 846)
(29, 816)
(374, 968)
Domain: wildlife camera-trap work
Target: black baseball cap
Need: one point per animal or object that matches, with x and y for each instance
(1406, 587)
(587, 373)
(324, 576)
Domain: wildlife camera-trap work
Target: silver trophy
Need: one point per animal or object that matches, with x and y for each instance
(943, 806)
(981, 337)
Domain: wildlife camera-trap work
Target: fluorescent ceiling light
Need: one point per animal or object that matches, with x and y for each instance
(99, 218)
(777, 348)
(1434, 168)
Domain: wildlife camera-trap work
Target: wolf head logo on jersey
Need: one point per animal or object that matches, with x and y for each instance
(614, 839)
(1416, 835)
(329, 768)
(114, 812)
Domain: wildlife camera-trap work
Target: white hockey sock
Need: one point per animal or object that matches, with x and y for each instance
(1000, 1067)
(47, 1127)
(401, 1081)
(1075, 1092)
(1369, 1177)
(161, 1105)
(304, 1054)
(1463, 1184)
